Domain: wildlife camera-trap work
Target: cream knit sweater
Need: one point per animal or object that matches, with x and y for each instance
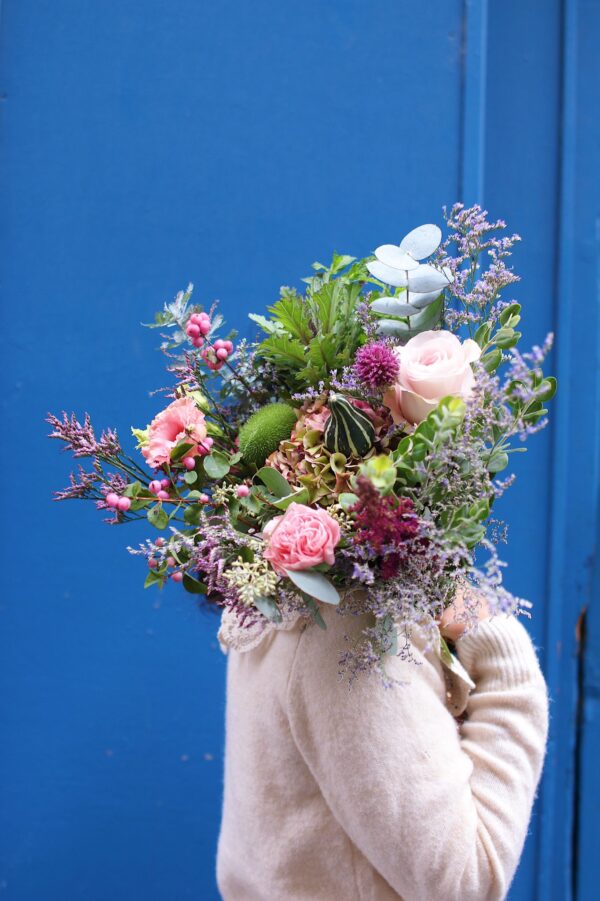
(371, 793)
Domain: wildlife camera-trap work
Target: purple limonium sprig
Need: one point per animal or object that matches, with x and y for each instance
(83, 484)
(476, 255)
(80, 438)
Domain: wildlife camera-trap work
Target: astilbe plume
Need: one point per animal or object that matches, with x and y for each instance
(385, 524)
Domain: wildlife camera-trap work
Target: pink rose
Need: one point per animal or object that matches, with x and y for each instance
(181, 420)
(433, 365)
(301, 538)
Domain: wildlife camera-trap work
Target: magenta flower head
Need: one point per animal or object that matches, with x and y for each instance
(376, 366)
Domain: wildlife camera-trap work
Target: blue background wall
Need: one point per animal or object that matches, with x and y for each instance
(146, 144)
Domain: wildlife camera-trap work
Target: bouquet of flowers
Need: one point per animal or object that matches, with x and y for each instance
(352, 456)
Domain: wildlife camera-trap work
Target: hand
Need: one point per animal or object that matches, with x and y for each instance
(457, 617)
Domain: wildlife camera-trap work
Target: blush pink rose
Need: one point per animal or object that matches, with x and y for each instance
(180, 420)
(301, 538)
(433, 365)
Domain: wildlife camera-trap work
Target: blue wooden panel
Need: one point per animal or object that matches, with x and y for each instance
(581, 268)
(145, 144)
(523, 121)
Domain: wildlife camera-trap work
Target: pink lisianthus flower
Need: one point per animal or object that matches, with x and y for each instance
(181, 420)
(433, 365)
(301, 538)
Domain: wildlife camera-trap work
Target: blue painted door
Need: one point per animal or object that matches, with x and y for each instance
(146, 144)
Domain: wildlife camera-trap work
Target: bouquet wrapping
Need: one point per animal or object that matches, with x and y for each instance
(351, 455)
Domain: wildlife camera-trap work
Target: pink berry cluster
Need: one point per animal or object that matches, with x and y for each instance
(171, 562)
(160, 487)
(118, 501)
(198, 326)
(216, 354)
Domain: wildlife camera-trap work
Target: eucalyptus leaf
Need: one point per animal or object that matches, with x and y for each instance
(298, 497)
(192, 514)
(274, 481)
(216, 465)
(193, 585)
(268, 607)
(391, 255)
(420, 301)
(347, 500)
(314, 584)
(422, 241)
(548, 389)
(190, 477)
(392, 306)
(422, 321)
(498, 461)
(427, 278)
(158, 517)
(315, 613)
(132, 489)
(153, 578)
(386, 274)
(180, 451)
(492, 360)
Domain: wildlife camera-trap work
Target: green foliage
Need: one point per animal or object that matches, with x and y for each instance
(274, 481)
(313, 334)
(503, 338)
(158, 516)
(268, 607)
(407, 327)
(439, 428)
(379, 470)
(314, 584)
(465, 525)
(216, 465)
(193, 585)
(302, 496)
(264, 431)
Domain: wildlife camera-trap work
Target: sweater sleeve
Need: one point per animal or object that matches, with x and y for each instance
(440, 812)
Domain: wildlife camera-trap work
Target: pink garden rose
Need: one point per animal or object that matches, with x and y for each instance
(433, 365)
(180, 420)
(301, 538)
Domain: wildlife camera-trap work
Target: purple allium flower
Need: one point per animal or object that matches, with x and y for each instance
(376, 365)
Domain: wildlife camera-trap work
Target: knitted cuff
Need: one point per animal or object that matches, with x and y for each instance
(499, 651)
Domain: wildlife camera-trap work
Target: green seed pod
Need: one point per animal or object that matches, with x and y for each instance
(265, 430)
(348, 431)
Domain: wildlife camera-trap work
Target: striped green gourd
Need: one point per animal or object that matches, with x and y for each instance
(348, 431)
